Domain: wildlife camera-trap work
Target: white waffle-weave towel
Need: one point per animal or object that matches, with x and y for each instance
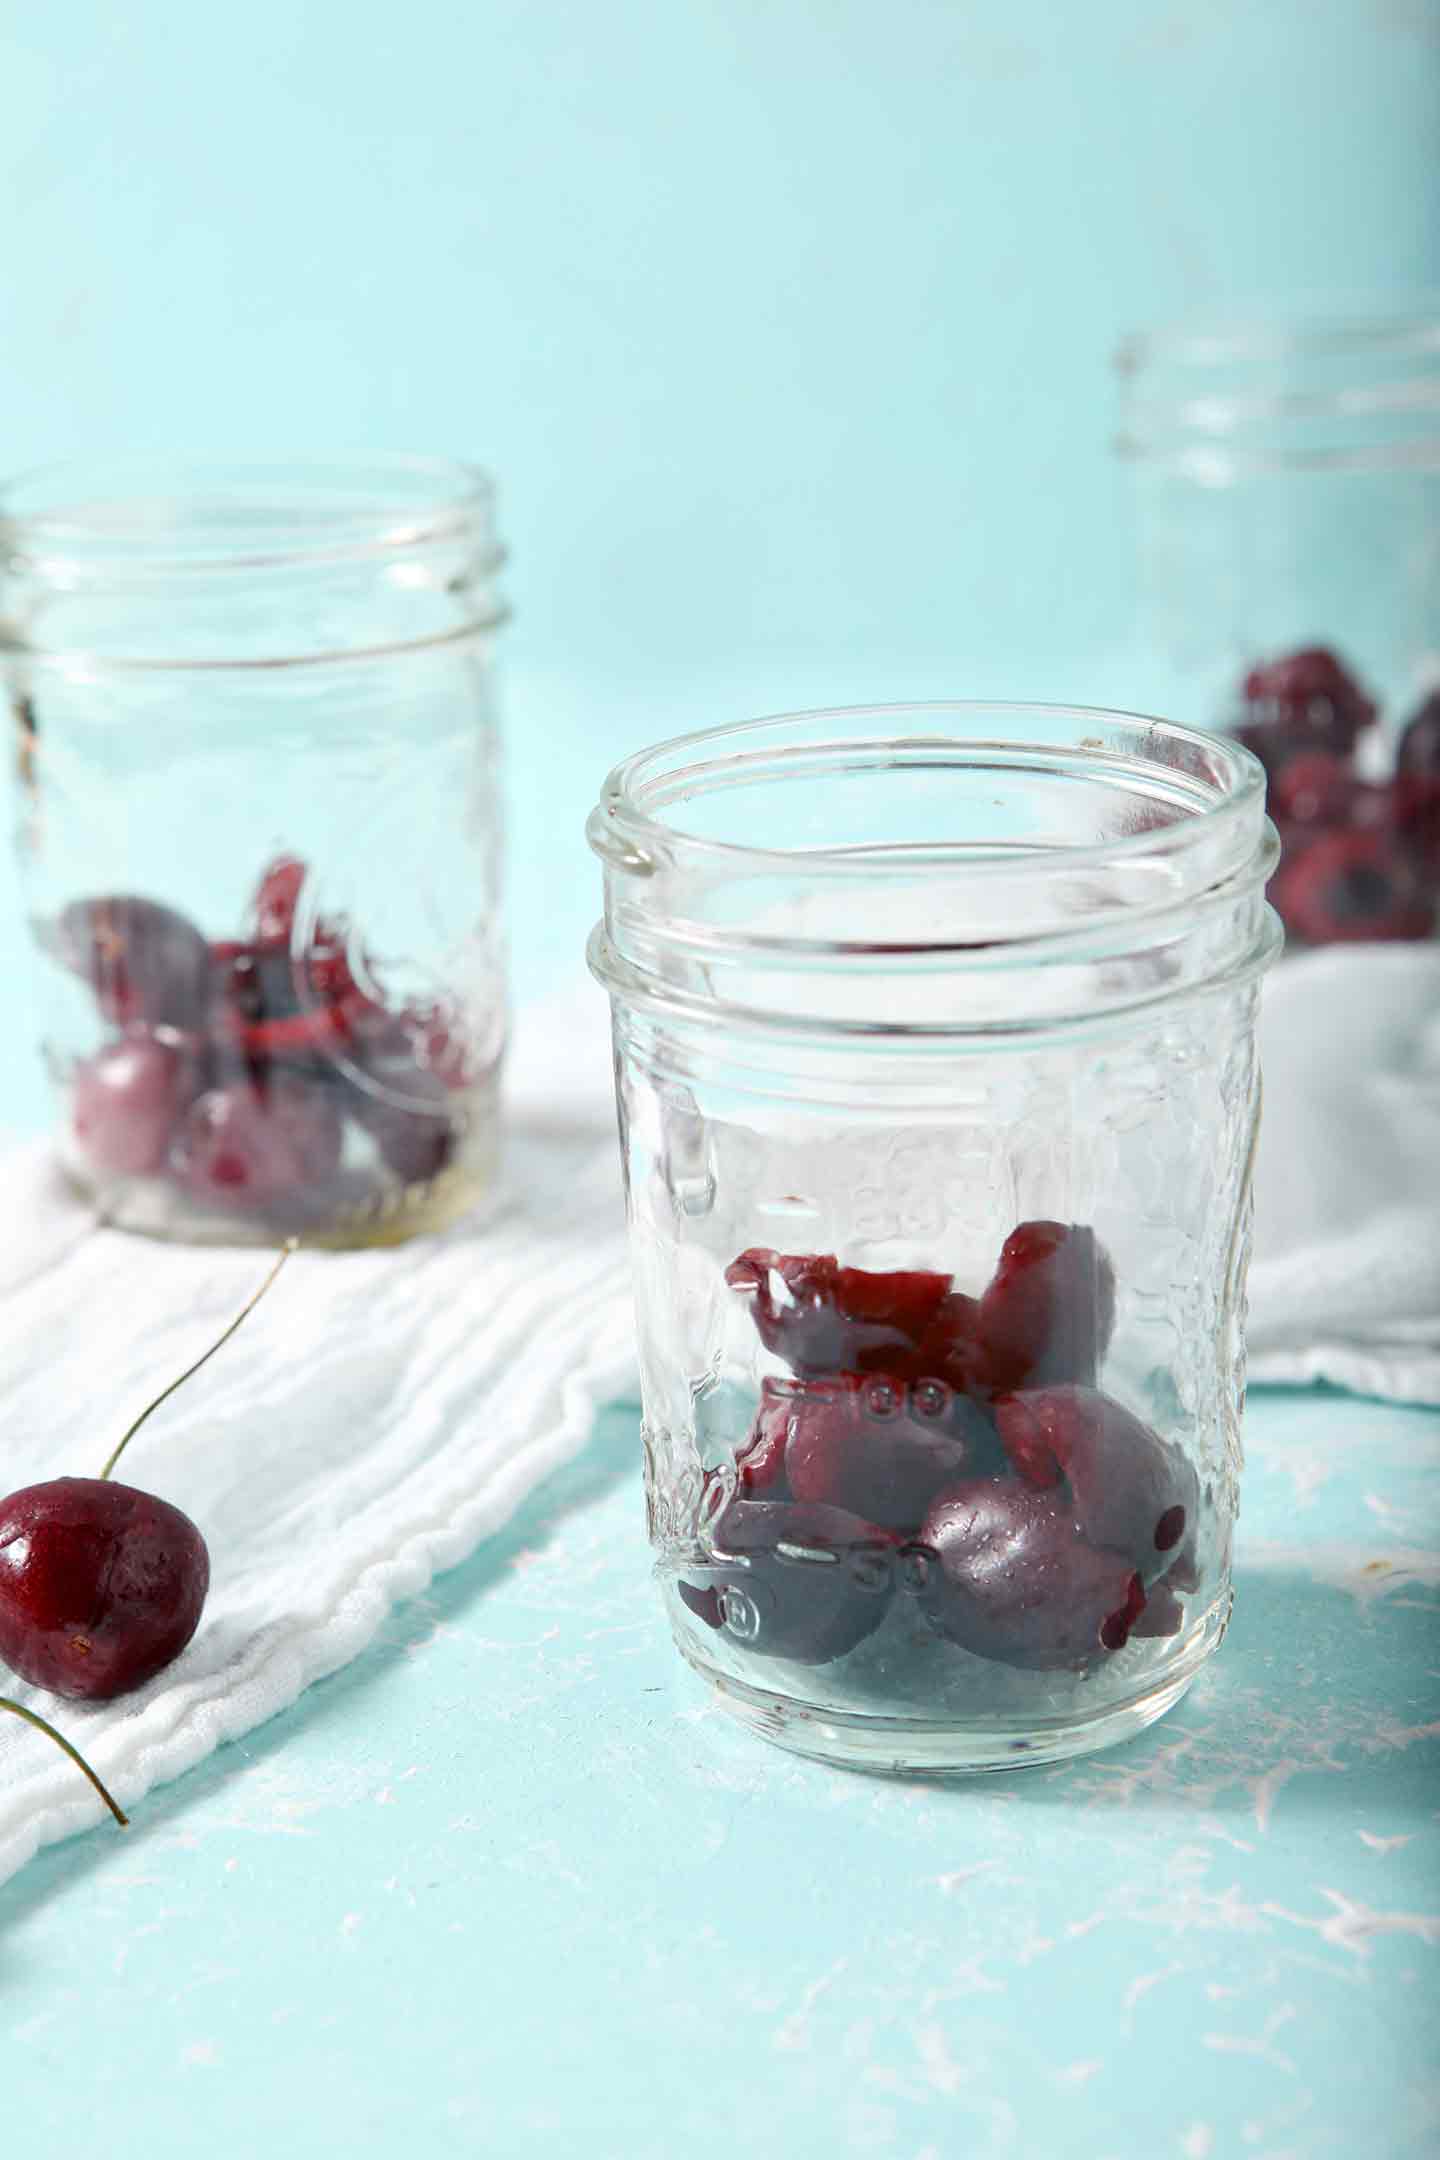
(377, 1416)
(1345, 1282)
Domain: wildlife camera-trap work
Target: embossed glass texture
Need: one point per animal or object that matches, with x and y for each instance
(254, 735)
(935, 1059)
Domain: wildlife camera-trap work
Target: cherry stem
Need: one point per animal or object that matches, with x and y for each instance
(219, 1343)
(33, 1717)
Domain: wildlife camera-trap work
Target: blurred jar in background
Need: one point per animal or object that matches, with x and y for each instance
(1288, 492)
(254, 738)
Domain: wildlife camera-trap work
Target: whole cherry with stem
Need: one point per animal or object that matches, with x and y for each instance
(102, 1585)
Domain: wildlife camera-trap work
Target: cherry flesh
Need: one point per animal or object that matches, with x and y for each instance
(882, 1449)
(1417, 790)
(142, 961)
(1007, 1573)
(1308, 698)
(824, 1318)
(1129, 1491)
(1351, 887)
(793, 1581)
(1050, 1308)
(1046, 1524)
(127, 1098)
(237, 1071)
(246, 1147)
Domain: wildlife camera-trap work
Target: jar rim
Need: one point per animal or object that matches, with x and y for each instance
(169, 515)
(624, 832)
(1198, 341)
(152, 537)
(976, 906)
(1340, 389)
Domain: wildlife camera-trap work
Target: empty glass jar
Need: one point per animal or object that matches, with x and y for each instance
(935, 1058)
(254, 736)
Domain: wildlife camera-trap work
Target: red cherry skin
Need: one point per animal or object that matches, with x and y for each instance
(101, 1586)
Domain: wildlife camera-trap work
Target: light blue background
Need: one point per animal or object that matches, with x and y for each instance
(786, 327)
(787, 331)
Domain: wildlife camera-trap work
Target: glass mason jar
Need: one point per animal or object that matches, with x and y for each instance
(935, 1057)
(1288, 494)
(254, 740)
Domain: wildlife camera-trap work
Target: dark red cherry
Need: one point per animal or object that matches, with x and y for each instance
(824, 1318)
(760, 1457)
(882, 1448)
(1419, 747)
(1050, 1308)
(787, 1581)
(1351, 887)
(326, 967)
(144, 962)
(1007, 1573)
(1130, 1491)
(414, 1144)
(277, 898)
(440, 1043)
(253, 983)
(101, 1585)
(1319, 790)
(128, 1098)
(1417, 790)
(1309, 697)
(246, 1146)
(408, 1110)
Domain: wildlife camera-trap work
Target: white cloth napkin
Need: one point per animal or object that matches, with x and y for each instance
(376, 1417)
(1345, 1282)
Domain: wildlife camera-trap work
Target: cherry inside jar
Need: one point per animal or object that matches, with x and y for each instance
(937, 1082)
(260, 837)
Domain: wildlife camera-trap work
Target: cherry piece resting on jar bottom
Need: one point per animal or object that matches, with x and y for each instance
(127, 1098)
(1130, 1491)
(277, 897)
(880, 1448)
(142, 961)
(1006, 1573)
(245, 1146)
(1417, 789)
(408, 1116)
(791, 1581)
(101, 1585)
(1050, 1308)
(1318, 791)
